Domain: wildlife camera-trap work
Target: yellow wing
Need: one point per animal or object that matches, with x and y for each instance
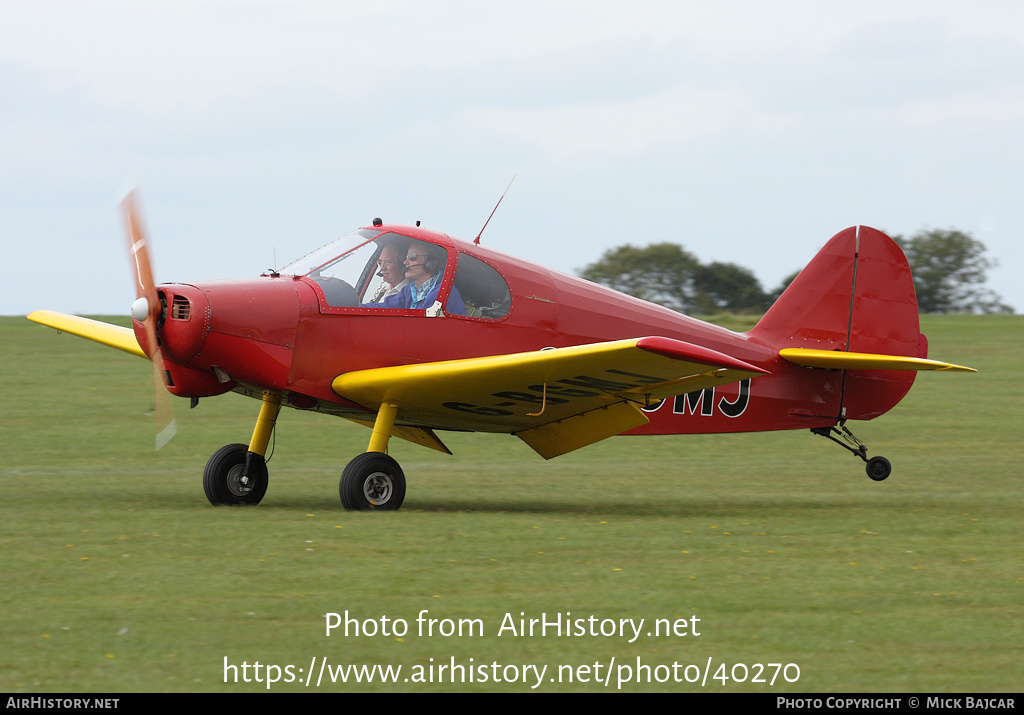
(839, 360)
(556, 400)
(112, 335)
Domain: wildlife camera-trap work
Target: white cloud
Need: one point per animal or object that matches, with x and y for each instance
(619, 128)
(974, 108)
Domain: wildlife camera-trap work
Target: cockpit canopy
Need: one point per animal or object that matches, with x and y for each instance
(376, 269)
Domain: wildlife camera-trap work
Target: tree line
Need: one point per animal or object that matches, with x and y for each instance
(949, 269)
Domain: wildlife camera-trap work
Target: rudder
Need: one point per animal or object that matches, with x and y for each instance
(856, 295)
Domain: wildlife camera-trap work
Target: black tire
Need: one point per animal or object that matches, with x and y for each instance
(372, 480)
(879, 468)
(223, 477)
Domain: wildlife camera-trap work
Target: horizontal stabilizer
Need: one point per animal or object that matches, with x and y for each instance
(111, 335)
(841, 360)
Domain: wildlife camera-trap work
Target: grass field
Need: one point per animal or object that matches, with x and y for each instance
(117, 575)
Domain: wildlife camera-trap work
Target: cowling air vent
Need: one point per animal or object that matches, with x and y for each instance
(180, 308)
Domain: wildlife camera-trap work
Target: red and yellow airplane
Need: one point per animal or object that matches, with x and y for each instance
(408, 331)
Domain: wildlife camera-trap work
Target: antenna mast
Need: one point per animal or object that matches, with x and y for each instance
(477, 239)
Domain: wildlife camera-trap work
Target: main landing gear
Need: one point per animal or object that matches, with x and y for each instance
(373, 480)
(878, 468)
(236, 473)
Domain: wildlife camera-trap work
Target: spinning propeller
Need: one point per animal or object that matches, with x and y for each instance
(147, 309)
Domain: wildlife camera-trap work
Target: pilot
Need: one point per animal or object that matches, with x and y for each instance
(424, 269)
(392, 270)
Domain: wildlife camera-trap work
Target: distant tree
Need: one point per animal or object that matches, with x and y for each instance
(661, 273)
(949, 267)
(728, 287)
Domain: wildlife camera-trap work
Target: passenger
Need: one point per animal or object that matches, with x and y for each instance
(392, 270)
(424, 268)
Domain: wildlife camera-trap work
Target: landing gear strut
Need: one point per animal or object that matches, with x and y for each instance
(878, 468)
(236, 473)
(373, 480)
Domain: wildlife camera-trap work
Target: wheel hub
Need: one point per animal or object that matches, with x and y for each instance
(378, 488)
(237, 482)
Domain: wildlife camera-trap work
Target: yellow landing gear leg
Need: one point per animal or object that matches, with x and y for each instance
(265, 424)
(256, 456)
(237, 474)
(373, 480)
(382, 428)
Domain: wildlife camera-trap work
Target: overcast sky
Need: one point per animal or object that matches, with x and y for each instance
(749, 132)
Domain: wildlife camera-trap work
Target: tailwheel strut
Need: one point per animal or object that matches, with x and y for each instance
(878, 468)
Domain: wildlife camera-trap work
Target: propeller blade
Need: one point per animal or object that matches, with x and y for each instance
(147, 310)
(166, 424)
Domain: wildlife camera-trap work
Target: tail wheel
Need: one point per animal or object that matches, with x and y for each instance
(372, 480)
(879, 468)
(228, 480)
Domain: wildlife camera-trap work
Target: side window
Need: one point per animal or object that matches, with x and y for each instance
(387, 276)
(481, 289)
(407, 274)
(389, 271)
(341, 277)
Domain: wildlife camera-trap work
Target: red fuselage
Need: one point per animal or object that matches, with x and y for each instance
(281, 333)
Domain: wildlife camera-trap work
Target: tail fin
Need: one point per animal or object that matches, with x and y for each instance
(856, 295)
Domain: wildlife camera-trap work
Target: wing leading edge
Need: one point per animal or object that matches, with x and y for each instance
(556, 400)
(111, 335)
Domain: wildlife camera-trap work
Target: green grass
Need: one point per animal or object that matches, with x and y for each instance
(117, 575)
